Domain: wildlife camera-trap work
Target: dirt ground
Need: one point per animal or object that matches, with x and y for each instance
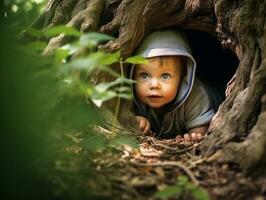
(177, 171)
(156, 164)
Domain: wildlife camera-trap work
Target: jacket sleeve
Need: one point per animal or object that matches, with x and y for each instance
(198, 107)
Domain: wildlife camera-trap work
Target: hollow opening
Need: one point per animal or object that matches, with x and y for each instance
(215, 65)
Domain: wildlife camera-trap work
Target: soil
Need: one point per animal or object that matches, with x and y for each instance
(156, 164)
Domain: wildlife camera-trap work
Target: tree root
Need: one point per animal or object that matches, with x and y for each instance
(86, 20)
(132, 29)
(58, 12)
(239, 119)
(248, 154)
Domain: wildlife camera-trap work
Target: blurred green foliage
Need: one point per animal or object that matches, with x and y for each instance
(20, 13)
(48, 113)
(183, 189)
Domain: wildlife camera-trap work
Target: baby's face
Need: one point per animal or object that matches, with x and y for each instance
(157, 82)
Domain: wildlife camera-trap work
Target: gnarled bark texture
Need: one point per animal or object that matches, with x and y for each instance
(238, 131)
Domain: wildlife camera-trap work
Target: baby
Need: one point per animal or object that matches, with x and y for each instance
(169, 102)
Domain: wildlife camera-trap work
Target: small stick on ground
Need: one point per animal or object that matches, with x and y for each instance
(172, 163)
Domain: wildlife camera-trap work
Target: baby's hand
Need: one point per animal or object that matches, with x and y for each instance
(192, 137)
(144, 125)
(189, 138)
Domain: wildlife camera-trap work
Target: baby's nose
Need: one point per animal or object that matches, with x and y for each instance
(154, 84)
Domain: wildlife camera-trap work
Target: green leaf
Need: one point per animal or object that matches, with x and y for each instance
(88, 64)
(78, 64)
(109, 59)
(60, 54)
(169, 192)
(121, 80)
(199, 194)
(125, 95)
(97, 102)
(99, 97)
(34, 32)
(136, 60)
(93, 38)
(102, 87)
(57, 30)
(123, 89)
(72, 48)
(109, 70)
(36, 46)
(182, 180)
(74, 87)
(105, 86)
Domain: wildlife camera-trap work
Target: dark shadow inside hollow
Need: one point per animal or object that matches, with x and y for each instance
(215, 65)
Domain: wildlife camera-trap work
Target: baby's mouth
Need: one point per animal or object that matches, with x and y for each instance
(154, 96)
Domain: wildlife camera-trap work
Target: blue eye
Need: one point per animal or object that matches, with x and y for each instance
(144, 76)
(165, 76)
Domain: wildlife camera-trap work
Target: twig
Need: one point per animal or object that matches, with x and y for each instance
(188, 154)
(166, 147)
(172, 163)
(104, 129)
(176, 150)
(197, 162)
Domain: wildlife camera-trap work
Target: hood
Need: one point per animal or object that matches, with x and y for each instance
(167, 42)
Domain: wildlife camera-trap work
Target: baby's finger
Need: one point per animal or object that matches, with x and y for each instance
(199, 137)
(147, 128)
(178, 139)
(142, 124)
(187, 138)
(193, 137)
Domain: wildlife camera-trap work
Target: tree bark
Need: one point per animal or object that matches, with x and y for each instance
(237, 132)
(237, 127)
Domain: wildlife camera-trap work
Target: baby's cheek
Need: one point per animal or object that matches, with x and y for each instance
(171, 92)
(140, 90)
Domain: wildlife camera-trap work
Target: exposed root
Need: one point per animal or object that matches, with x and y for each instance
(240, 118)
(54, 43)
(59, 12)
(81, 5)
(252, 150)
(86, 20)
(132, 29)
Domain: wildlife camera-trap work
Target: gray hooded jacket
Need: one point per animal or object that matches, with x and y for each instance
(192, 106)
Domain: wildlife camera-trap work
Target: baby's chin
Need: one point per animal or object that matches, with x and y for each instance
(155, 105)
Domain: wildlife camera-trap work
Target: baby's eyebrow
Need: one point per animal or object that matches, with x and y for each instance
(141, 68)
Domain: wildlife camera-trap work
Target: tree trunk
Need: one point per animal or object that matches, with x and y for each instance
(237, 132)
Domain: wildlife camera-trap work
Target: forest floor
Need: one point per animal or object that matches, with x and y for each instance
(160, 165)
